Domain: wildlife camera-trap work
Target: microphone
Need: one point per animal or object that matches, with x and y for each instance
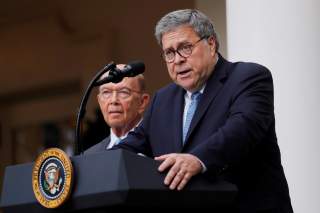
(116, 75)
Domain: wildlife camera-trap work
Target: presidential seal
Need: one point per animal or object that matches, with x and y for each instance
(52, 178)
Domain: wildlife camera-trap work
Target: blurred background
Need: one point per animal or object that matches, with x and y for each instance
(50, 50)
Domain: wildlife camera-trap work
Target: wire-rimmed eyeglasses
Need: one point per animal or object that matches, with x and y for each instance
(123, 93)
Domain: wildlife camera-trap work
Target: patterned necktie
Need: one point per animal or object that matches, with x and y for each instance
(192, 108)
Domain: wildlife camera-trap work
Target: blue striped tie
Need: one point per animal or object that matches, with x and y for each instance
(192, 108)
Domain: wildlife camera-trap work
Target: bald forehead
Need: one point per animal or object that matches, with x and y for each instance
(136, 83)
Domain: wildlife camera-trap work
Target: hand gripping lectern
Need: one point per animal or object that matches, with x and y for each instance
(115, 179)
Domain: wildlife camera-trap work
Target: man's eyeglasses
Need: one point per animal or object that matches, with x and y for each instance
(124, 93)
(185, 50)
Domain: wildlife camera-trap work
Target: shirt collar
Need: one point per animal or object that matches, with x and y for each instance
(188, 93)
(113, 137)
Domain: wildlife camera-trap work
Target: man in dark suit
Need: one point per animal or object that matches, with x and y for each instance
(122, 105)
(217, 118)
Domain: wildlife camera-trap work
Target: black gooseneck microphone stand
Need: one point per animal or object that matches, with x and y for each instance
(82, 109)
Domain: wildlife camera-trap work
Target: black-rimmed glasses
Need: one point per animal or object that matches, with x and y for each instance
(184, 50)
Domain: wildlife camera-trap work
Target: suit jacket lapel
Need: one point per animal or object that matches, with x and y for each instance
(213, 86)
(178, 107)
(106, 142)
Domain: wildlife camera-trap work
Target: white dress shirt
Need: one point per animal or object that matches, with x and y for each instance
(115, 139)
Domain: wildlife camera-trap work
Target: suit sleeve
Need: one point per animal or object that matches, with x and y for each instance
(250, 116)
(99, 147)
(138, 140)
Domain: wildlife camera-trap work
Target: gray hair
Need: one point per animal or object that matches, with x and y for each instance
(201, 24)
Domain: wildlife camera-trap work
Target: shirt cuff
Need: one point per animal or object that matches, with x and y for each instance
(204, 168)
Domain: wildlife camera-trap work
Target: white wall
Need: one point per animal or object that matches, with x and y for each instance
(284, 35)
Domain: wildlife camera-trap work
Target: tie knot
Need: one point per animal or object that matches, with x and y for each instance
(195, 95)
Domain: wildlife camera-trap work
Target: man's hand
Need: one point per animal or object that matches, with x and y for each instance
(183, 167)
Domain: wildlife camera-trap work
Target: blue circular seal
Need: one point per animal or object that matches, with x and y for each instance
(52, 177)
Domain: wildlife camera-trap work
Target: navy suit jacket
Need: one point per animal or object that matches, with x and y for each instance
(99, 147)
(232, 132)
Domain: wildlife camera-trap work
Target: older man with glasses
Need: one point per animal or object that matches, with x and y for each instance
(217, 118)
(122, 105)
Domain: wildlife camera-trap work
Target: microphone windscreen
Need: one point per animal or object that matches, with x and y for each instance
(136, 67)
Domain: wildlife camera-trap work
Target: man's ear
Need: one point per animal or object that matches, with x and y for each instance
(212, 44)
(145, 98)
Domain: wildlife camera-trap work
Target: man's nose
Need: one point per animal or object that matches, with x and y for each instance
(178, 59)
(114, 96)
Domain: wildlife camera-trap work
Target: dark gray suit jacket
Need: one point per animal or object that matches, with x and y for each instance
(99, 147)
